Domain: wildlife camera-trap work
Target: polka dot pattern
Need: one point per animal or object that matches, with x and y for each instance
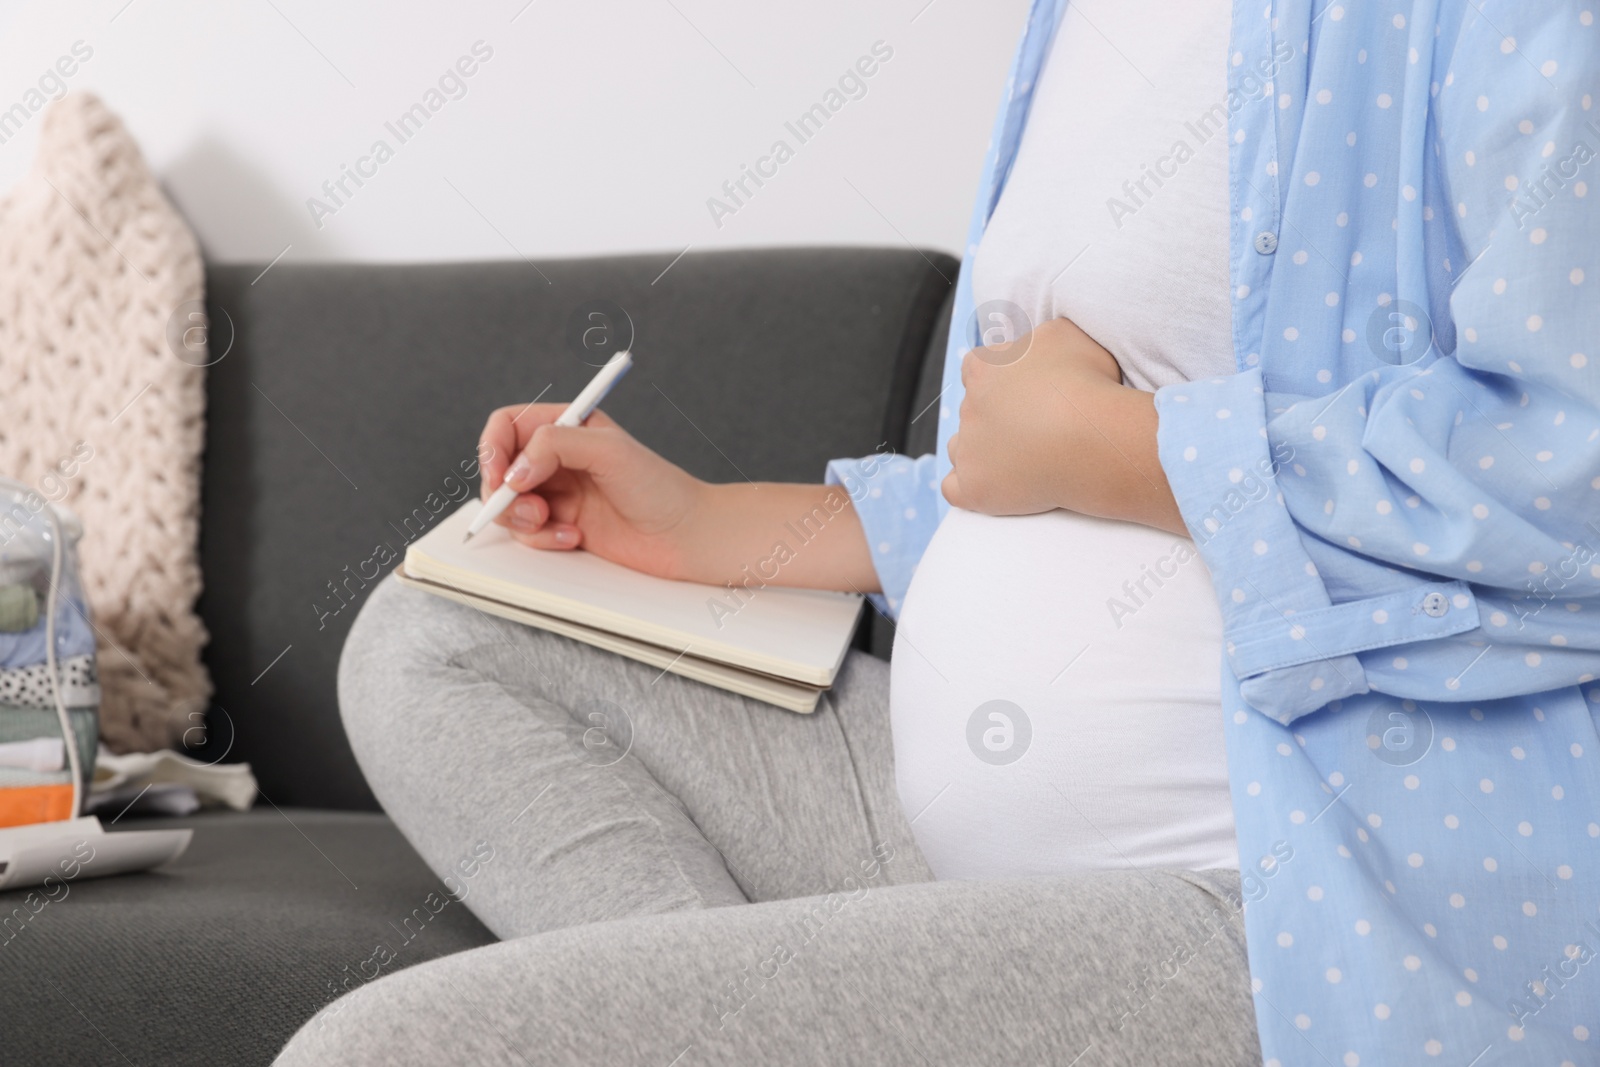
(1417, 405)
(1418, 427)
(30, 686)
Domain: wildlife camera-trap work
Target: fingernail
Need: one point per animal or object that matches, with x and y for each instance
(566, 537)
(519, 471)
(525, 512)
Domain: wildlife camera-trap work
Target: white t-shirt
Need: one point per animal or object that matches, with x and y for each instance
(1084, 231)
(1056, 691)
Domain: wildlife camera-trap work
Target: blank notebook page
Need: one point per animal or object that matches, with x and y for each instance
(794, 633)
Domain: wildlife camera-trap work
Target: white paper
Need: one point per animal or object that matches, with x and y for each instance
(80, 848)
(798, 634)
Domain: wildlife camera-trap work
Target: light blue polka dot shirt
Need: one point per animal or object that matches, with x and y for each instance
(1397, 494)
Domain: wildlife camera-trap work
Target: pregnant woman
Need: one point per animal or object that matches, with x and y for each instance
(1253, 363)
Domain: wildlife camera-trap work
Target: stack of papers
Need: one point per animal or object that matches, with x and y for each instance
(80, 848)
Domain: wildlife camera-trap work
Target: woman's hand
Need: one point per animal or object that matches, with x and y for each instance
(592, 485)
(1047, 423)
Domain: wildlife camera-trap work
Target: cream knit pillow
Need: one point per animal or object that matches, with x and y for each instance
(96, 409)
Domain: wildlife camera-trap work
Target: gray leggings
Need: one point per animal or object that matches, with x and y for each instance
(681, 876)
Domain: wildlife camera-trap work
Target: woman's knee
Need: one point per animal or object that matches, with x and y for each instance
(370, 1026)
(383, 643)
(399, 662)
(548, 1000)
(537, 1001)
(397, 624)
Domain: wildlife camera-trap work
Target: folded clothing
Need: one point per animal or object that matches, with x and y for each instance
(23, 723)
(74, 637)
(30, 795)
(229, 784)
(30, 686)
(42, 754)
(167, 799)
(19, 608)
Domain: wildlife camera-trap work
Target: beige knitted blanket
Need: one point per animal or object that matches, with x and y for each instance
(98, 410)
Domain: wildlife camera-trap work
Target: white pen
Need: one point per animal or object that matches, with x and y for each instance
(581, 408)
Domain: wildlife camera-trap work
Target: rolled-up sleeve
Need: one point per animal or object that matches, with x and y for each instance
(1431, 531)
(897, 500)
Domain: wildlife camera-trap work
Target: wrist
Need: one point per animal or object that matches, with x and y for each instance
(805, 536)
(697, 551)
(1111, 466)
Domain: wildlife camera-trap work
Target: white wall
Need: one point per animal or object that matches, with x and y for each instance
(594, 126)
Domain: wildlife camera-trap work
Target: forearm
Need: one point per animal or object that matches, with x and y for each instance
(1058, 429)
(1115, 468)
(805, 536)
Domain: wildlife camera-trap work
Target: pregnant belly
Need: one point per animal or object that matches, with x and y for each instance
(1056, 700)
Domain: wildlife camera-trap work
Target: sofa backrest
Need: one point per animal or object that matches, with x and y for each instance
(345, 400)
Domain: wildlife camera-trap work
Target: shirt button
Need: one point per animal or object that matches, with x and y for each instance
(1266, 242)
(1435, 604)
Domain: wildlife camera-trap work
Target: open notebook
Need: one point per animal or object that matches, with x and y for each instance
(783, 646)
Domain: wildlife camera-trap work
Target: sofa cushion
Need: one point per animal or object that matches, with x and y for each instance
(102, 403)
(218, 958)
(345, 403)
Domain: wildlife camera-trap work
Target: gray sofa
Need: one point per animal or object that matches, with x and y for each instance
(339, 416)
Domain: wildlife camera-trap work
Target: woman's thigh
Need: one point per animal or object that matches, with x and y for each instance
(602, 787)
(1139, 967)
